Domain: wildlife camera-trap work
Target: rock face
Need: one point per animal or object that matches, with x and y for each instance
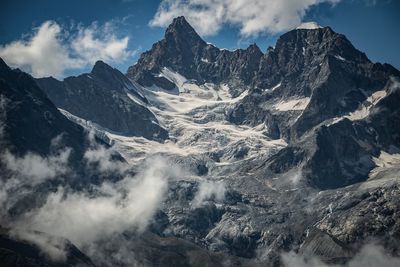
(105, 97)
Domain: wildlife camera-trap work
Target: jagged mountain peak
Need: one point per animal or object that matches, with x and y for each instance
(314, 46)
(115, 80)
(179, 23)
(180, 30)
(254, 48)
(100, 66)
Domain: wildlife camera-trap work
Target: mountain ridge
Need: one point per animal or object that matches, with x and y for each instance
(295, 150)
(106, 97)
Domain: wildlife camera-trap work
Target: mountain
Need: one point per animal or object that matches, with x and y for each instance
(322, 78)
(30, 120)
(312, 76)
(41, 150)
(32, 125)
(105, 97)
(182, 50)
(304, 136)
(281, 158)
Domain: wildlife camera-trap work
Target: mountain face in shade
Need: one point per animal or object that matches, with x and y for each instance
(32, 125)
(105, 97)
(31, 120)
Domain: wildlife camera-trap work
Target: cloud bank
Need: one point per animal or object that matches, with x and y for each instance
(253, 17)
(50, 50)
(84, 217)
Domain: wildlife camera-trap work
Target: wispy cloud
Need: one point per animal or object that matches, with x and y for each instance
(370, 255)
(51, 49)
(251, 16)
(209, 190)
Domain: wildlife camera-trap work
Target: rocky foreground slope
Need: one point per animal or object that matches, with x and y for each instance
(289, 157)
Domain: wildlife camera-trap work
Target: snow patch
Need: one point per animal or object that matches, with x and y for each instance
(276, 86)
(340, 58)
(295, 104)
(135, 99)
(364, 110)
(173, 77)
(386, 160)
(273, 88)
(309, 26)
(371, 101)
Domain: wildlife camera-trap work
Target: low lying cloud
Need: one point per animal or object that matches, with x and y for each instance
(370, 255)
(209, 190)
(53, 247)
(114, 208)
(101, 159)
(20, 174)
(51, 50)
(34, 169)
(251, 16)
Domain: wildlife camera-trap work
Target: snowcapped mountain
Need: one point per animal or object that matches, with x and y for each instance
(275, 157)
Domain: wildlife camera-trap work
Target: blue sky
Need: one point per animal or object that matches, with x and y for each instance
(118, 31)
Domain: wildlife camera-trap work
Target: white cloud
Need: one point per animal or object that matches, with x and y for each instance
(24, 172)
(100, 158)
(43, 54)
(370, 255)
(209, 190)
(35, 169)
(51, 50)
(94, 43)
(251, 16)
(85, 218)
(21, 173)
(53, 247)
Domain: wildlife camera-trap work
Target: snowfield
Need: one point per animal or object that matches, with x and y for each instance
(195, 120)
